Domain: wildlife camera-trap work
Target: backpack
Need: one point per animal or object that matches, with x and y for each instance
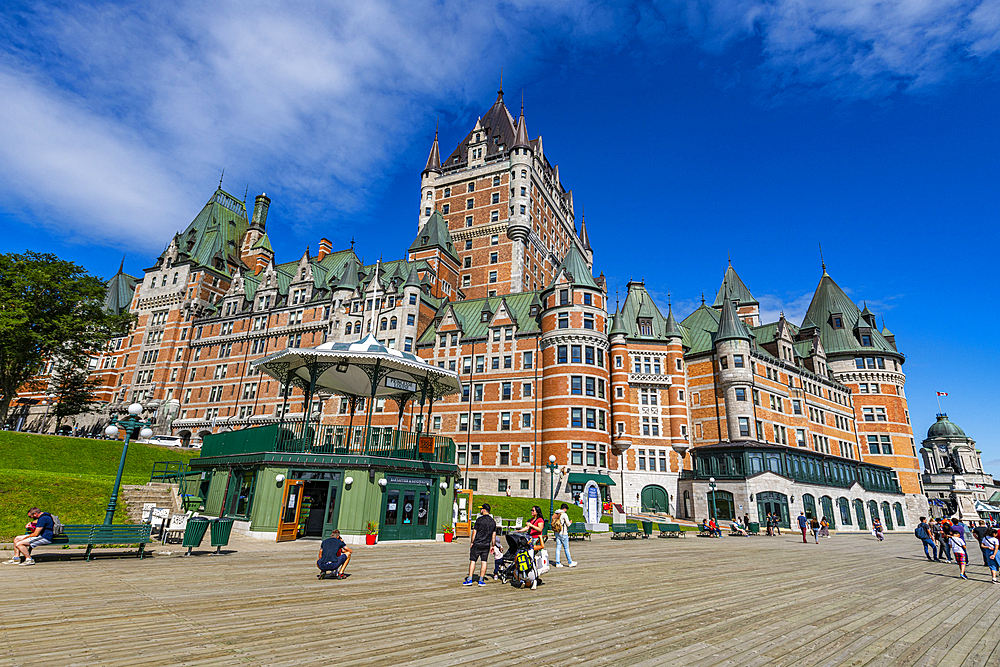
(524, 562)
(921, 533)
(557, 522)
(57, 527)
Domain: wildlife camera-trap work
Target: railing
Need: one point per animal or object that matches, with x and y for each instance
(296, 438)
(170, 472)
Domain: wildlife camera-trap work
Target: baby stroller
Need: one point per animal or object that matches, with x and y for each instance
(517, 565)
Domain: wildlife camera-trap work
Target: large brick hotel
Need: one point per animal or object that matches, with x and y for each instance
(499, 286)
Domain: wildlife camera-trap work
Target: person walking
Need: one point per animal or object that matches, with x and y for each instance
(814, 526)
(560, 528)
(944, 551)
(482, 544)
(923, 533)
(957, 544)
(824, 528)
(979, 530)
(746, 521)
(770, 530)
(991, 546)
(803, 524)
(877, 529)
(534, 529)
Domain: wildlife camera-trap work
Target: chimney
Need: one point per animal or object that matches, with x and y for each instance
(325, 248)
(260, 211)
(263, 259)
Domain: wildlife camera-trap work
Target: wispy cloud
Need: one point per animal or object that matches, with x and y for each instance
(118, 117)
(793, 305)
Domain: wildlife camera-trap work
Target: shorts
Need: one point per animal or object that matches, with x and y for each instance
(38, 541)
(961, 559)
(330, 566)
(479, 552)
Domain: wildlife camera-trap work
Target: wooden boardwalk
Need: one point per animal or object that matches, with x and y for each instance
(740, 602)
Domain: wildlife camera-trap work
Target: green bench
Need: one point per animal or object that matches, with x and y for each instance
(93, 535)
(671, 530)
(624, 531)
(578, 531)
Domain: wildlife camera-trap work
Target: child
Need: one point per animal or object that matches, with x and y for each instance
(877, 529)
(957, 545)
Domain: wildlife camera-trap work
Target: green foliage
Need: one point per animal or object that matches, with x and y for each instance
(511, 508)
(70, 477)
(49, 308)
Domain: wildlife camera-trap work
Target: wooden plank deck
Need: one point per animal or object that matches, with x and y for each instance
(740, 602)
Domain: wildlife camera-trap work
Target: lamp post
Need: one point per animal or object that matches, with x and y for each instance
(132, 426)
(711, 485)
(551, 465)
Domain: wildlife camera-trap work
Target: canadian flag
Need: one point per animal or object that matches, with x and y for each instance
(942, 393)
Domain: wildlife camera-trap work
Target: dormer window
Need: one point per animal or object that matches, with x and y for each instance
(563, 297)
(645, 326)
(424, 240)
(838, 322)
(866, 340)
(477, 136)
(533, 311)
(485, 316)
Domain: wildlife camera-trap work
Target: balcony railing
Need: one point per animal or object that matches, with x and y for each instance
(297, 438)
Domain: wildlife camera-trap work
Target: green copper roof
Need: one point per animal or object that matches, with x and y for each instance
(730, 325)
(250, 284)
(733, 289)
(433, 234)
(640, 305)
(803, 348)
(576, 268)
(215, 233)
(830, 299)
(944, 428)
(671, 330)
(616, 325)
(701, 325)
(263, 242)
(470, 321)
(121, 289)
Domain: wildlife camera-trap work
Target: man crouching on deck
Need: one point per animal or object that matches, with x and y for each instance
(334, 555)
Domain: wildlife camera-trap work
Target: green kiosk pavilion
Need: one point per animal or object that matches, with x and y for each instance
(299, 478)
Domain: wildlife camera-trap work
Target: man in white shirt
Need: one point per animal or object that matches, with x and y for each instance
(560, 528)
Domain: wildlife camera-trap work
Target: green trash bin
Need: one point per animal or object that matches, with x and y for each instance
(195, 532)
(647, 529)
(221, 529)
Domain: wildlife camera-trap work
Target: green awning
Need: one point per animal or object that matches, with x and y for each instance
(583, 478)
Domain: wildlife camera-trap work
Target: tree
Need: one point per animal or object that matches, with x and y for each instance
(74, 390)
(49, 309)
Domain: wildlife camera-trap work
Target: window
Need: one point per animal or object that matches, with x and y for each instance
(589, 359)
(494, 258)
(576, 384)
(463, 422)
(723, 362)
(576, 455)
(526, 361)
(508, 361)
(800, 437)
(741, 394)
(873, 447)
(564, 320)
(561, 354)
(502, 486)
(737, 361)
(588, 321)
(505, 391)
(495, 363)
(526, 420)
(477, 425)
(563, 297)
(575, 351)
(576, 417)
(408, 344)
(493, 276)
(886, 444)
(590, 385)
(745, 427)
(866, 340)
(797, 406)
(469, 203)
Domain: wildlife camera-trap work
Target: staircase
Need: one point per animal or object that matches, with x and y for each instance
(164, 495)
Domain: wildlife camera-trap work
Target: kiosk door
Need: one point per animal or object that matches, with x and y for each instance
(288, 520)
(409, 509)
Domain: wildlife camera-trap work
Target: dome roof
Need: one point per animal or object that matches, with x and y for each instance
(943, 428)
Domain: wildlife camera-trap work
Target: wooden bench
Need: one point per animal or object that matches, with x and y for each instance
(671, 530)
(623, 531)
(578, 531)
(94, 535)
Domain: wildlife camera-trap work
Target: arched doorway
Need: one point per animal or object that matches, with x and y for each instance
(772, 502)
(688, 511)
(900, 521)
(201, 436)
(826, 503)
(859, 511)
(845, 511)
(809, 505)
(873, 510)
(185, 437)
(887, 514)
(654, 498)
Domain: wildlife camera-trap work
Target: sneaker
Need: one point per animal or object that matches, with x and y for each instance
(30, 561)
(962, 576)
(559, 564)
(469, 582)
(573, 564)
(13, 561)
(534, 584)
(482, 583)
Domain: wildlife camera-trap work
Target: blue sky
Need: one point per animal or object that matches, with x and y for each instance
(690, 131)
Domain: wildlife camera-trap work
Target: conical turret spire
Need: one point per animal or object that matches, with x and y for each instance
(413, 280)
(671, 329)
(434, 159)
(521, 138)
(731, 326)
(584, 239)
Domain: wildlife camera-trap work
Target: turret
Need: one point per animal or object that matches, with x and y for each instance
(521, 158)
(732, 349)
(427, 177)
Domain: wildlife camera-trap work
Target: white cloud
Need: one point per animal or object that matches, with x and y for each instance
(794, 307)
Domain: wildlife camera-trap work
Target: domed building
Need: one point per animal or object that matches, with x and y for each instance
(953, 477)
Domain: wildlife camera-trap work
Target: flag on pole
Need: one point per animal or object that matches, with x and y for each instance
(942, 393)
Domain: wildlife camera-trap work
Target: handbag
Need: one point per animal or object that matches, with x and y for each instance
(542, 561)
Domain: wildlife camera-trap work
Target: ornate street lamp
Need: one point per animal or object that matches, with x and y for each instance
(711, 485)
(551, 465)
(133, 427)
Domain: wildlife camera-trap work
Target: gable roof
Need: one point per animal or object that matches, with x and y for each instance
(639, 304)
(435, 234)
(469, 319)
(121, 289)
(215, 233)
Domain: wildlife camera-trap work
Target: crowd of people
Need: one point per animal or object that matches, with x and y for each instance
(948, 540)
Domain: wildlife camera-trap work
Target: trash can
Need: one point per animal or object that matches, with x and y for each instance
(221, 529)
(195, 532)
(647, 529)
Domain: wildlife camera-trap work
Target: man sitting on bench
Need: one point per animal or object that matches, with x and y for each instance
(42, 534)
(334, 555)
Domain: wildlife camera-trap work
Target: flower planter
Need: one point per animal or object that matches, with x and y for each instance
(370, 539)
(448, 537)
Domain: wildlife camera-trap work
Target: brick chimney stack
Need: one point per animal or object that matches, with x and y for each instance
(325, 248)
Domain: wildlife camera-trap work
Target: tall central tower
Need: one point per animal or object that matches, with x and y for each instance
(511, 220)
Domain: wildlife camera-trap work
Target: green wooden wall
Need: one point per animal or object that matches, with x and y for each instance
(267, 500)
(216, 490)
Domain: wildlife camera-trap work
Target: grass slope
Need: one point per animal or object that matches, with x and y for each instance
(511, 508)
(70, 477)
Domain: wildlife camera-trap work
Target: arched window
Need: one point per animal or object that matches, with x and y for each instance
(809, 505)
(524, 173)
(164, 283)
(859, 512)
(900, 521)
(175, 277)
(392, 324)
(347, 329)
(496, 181)
(722, 503)
(826, 510)
(369, 326)
(845, 511)
(873, 509)
(384, 324)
